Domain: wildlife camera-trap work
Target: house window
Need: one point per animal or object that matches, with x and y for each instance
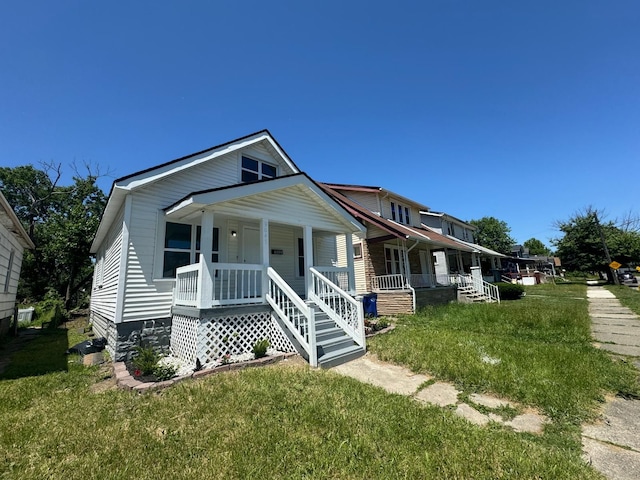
(253, 170)
(300, 257)
(215, 244)
(7, 280)
(393, 260)
(402, 215)
(177, 248)
(180, 248)
(357, 250)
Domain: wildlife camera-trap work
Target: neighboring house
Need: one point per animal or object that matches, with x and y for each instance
(488, 260)
(399, 257)
(214, 251)
(13, 241)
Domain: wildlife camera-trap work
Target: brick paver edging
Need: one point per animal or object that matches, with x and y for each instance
(126, 381)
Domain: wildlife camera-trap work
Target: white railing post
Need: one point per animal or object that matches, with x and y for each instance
(205, 283)
(313, 349)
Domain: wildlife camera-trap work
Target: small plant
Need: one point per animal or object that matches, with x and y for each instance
(145, 360)
(225, 359)
(510, 291)
(260, 348)
(164, 371)
(382, 323)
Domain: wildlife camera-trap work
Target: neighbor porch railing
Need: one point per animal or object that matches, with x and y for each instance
(341, 307)
(417, 280)
(389, 282)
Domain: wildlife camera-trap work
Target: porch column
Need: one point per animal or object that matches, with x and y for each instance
(350, 267)
(206, 245)
(307, 240)
(264, 254)
(460, 263)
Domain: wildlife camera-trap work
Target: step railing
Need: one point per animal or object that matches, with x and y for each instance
(297, 316)
(338, 275)
(341, 307)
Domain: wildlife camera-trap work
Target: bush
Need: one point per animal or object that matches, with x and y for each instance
(260, 348)
(145, 360)
(510, 291)
(50, 310)
(164, 372)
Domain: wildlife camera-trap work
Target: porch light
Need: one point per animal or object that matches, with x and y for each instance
(234, 233)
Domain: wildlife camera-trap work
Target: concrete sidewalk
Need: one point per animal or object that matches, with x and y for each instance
(401, 380)
(612, 445)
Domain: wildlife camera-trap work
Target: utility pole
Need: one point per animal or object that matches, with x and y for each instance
(616, 280)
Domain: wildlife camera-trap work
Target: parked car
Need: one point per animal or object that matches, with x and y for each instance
(627, 277)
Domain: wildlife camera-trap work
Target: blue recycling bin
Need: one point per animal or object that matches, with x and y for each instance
(370, 305)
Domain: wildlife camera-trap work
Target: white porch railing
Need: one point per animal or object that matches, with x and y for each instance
(338, 275)
(294, 312)
(481, 287)
(222, 284)
(341, 307)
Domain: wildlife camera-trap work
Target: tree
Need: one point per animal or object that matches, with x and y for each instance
(494, 234)
(582, 247)
(536, 247)
(61, 221)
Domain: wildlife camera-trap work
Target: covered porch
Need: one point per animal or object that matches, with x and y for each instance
(270, 244)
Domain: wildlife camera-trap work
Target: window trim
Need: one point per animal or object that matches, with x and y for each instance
(356, 247)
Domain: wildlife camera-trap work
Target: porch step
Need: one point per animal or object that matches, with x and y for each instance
(341, 356)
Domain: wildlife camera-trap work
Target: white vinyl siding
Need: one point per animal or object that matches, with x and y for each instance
(107, 270)
(11, 253)
(358, 263)
(367, 200)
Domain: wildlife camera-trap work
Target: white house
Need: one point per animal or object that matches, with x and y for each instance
(401, 260)
(464, 233)
(13, 241)
(216, 250)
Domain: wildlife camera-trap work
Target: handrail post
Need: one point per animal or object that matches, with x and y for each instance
(205, 283)
(313, 349)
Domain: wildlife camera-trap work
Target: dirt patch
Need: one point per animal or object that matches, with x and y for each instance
(108, 381)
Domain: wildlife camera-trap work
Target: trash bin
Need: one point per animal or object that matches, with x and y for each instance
(370, 305)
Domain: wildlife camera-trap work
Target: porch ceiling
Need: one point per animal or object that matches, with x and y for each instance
(291, 200)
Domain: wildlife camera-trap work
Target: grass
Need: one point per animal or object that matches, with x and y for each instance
(629, 297)
(290, 421)
(536, 351)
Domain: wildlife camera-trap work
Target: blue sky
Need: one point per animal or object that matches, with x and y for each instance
(525, 111)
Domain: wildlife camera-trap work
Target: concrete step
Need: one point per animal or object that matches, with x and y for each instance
(341, 356)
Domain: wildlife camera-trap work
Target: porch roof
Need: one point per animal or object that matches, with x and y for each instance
(397, 230)
(481, 249)
(371, 189)
(293, 199)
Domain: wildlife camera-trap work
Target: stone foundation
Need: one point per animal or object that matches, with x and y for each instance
(123, 338)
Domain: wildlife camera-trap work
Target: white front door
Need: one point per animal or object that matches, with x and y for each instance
(251, 245)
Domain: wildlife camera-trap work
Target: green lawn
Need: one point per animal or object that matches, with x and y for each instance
(289, 421)
(629, 297)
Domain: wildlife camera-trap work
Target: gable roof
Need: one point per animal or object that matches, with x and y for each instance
(11, 222)
(369, 189)
(451, 217)
(195, 202)
(123, 185)
(394, 229)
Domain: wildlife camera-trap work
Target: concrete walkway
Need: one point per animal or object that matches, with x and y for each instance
(612, 445)
(400, 380)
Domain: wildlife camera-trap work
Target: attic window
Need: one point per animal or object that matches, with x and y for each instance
(253, 170)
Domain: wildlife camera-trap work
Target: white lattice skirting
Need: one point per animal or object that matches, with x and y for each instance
(208, 339)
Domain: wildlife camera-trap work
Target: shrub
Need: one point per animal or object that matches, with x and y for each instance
(50, 310)
(260, 348)
(510, 291)
(145, 360)
(382, 323)
(164, 371)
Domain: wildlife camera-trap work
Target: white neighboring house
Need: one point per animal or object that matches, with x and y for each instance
(13, 241)
(211, 252)
(488, 260)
